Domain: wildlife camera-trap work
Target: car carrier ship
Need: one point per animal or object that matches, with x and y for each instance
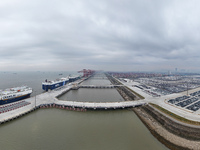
(14, 94)
(53, 84)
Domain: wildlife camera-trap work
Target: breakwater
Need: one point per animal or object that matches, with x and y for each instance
(42, 106)
(66, 128)
(18, 115)
(125, 92)
(172, 133)
(49, 99)
(78, 106)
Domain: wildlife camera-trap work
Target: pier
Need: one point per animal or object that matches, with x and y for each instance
(96, 86)
(76, 87)
(100, 106)
(49, 99)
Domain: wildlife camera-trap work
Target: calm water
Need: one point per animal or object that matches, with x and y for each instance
(32, 79)
(93, 95)
(98, 79)
(96, 95)
(50, 129)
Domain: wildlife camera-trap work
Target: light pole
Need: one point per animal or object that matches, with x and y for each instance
(35, 99)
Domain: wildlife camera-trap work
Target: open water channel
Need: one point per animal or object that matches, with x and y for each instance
(50, 129)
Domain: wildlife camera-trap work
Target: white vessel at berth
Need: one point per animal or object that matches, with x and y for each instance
(53, 84)
(14, 94)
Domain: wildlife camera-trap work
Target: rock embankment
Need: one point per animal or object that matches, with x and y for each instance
(190, 133)
(174, 135)
(126, 93)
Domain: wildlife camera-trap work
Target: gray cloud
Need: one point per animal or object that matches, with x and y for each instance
(111, 35)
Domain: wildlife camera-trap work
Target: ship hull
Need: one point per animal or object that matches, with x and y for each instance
(46, 86)
(53, 86)
(2, 102)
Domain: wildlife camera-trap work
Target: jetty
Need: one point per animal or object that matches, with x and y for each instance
(76, 87)
(49, 99)
(100, 105)
(96, 86)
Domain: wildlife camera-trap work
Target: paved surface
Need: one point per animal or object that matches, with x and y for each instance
(50, 97)
(162, 101)
(110, 105)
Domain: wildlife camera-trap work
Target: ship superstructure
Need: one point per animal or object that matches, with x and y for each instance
(74, 78)
(14, 94)
(53, 84)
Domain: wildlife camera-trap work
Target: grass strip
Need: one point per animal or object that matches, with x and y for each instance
(179, 118)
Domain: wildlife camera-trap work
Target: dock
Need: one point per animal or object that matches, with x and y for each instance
(49, 99)
(76, 87)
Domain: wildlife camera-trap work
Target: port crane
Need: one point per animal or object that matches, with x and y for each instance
(86, 72)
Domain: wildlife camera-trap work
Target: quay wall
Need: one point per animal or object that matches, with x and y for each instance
(64, 106)
(173, 134)
(49, 99)
(167, 131)
(18, 115)
(184, 131)
(151, 125)
(123, 91)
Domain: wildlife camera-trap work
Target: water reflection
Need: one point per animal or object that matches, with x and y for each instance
(61, 129)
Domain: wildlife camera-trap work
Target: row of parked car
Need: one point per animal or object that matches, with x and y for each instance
(178, 99)
(187, 102)
(194, 107)
(195, 93)
(184, 101)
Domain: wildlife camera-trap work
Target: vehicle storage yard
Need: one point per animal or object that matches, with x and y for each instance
(191, 102)
(180, 95)
(158, 86)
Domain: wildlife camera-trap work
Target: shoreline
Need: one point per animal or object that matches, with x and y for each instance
(161, 139)
(166, 137)
(173, 134)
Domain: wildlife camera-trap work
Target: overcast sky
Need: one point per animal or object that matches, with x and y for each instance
(115, 35)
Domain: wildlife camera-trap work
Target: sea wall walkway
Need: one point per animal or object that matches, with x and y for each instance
(75, 87)
(50, 99)
(96, 86)
(100, 106)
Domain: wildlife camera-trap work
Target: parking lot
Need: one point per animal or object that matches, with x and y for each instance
(191, 102)
(178, 99)
(13, 106)
(194, 107)
(169, 84)
(187, 102)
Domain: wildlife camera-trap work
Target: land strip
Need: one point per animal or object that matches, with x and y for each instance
(125, 92)
(178, 118)
(174, 134)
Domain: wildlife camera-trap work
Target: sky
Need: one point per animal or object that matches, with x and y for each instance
(110, 35)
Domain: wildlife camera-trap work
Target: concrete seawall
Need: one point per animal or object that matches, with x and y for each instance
(75, 106)
(49, 99)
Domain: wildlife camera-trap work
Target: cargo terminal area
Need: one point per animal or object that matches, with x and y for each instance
(178, 94)
(159, 86)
